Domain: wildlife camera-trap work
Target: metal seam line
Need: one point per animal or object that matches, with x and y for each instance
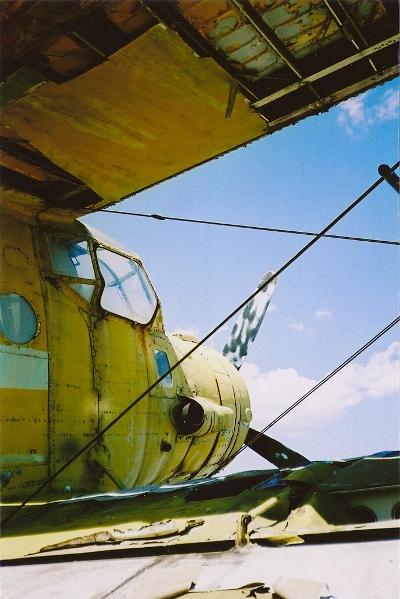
(264, 31)
(327, 71)
(332, 99)
(352, 23)
(279, 271)
(269, 35)
(250, 227)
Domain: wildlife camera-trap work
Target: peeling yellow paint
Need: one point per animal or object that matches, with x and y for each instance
(108, 135)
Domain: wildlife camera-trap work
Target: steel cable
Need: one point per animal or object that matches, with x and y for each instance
(161, 217)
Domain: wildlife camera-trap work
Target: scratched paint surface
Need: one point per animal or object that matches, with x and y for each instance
(116, 91)
(83, 368)
(23, 370)
(117, 131)
(284, 507)
(303, 26)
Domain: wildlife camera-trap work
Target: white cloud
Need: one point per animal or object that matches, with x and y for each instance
(272, 392)
(354, 109)
(296, 326)
(323, 314)
(356, 115)
(388, 109)
(353, 114)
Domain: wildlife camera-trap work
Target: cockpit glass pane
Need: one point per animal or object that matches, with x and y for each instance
(127, 290)
(71, 258)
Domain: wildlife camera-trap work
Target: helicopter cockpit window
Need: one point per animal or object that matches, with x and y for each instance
(72, 259)
(127, 290)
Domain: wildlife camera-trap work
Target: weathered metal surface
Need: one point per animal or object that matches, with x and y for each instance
(301, 26)
(83, 365)
(117, 131)
(19, 166)
(83, 83)
(24, 392)
(293, 507)
(203, 526)
(67, 37)
(393, 40)
(350, 570)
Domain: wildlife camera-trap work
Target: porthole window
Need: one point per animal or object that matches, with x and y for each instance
(18, 322)
(396, 512)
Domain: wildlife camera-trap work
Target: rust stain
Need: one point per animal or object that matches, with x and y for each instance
(8, 8)
(91, 132)
(22, 167)
(65, 55)
(127, 15)
(35, 22)
(297, 23)
(94, 70)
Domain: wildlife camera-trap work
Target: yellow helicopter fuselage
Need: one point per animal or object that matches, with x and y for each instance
(82, 336)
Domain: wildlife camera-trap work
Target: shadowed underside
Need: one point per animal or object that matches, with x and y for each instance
(104, 99)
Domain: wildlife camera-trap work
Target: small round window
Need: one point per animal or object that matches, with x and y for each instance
(18, 322)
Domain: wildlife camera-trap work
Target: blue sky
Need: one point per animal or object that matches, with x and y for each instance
(332, 300)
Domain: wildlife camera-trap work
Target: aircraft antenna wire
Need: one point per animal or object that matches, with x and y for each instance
(196, 346)
(161, 217)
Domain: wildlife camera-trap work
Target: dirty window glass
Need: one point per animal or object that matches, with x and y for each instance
(163, 366)
(72, 258)
(84, 290)
(17, 319)
(127, 290)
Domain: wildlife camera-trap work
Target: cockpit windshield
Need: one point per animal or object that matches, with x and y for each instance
(72, 259)
(127, 290)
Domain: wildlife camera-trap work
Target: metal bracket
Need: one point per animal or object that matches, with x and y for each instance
(233, 90)
(242, 534)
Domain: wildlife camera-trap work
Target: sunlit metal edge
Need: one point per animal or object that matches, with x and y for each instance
(327, 71)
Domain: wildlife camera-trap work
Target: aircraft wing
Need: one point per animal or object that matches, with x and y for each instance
(331, 523)
(104, 99)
